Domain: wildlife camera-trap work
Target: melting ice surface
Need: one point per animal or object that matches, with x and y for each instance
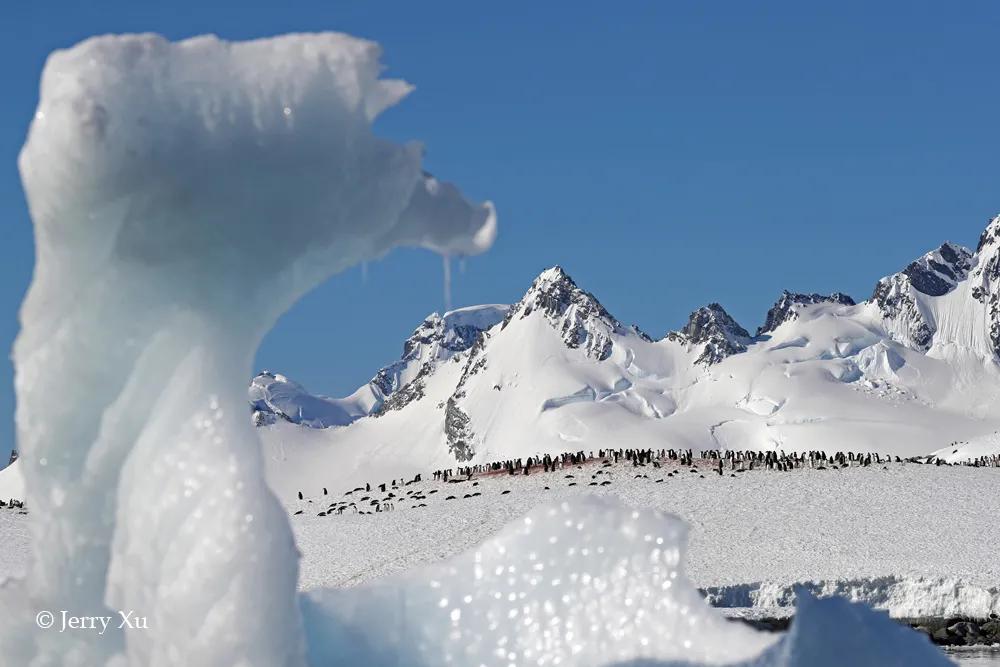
(586, 583)
(184, 195)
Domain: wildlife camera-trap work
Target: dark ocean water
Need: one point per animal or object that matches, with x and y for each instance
(976, 657)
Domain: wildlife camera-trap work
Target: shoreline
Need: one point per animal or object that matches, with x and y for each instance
(949, 632)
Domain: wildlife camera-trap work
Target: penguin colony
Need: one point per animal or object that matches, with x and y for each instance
(362, 500)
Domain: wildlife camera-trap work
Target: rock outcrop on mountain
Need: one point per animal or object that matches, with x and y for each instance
(714, 333)
(437, 339)
(901, 296)
(274, 397)
(789, 304)
(579, 317)
(985, 279)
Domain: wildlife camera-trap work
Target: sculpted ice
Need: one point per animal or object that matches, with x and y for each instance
(585, 583)
(183, 196)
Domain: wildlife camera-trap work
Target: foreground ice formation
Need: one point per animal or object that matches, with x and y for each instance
(586, 583)
(184, 195)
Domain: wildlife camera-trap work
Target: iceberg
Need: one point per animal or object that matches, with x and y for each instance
(587, 583)
(183, 196)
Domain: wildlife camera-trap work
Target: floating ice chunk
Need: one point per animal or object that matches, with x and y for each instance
(184, 195)
(833, 632)
(583, 583)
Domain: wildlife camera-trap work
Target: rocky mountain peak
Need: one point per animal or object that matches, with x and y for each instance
(789, 304)
(935, 274)
(576, 314)
(986, 278)
(437, 339)
(455, 331)
(713, 328)
(939, 271)
(990, 238)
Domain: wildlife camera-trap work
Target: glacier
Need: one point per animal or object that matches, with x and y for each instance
(183, 196)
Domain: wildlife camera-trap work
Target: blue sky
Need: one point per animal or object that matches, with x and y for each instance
(667, 154)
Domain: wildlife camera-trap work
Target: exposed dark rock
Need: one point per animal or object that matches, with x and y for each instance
(935, 274)
(789, 304)
(579, 317)
(458, 432)
(986, 278)
(436, 339)
(713, 328)
(941, 631)
(408, 393)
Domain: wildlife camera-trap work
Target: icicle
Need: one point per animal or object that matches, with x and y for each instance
(446, 260)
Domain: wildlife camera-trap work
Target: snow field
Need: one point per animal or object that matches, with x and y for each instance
(915, 540)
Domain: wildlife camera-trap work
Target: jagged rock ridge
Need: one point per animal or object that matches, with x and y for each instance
(897, 296)
(715, 331)
(986, 278)
(581, 319)
(789, 304)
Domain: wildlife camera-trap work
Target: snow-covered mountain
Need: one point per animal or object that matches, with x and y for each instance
(908, 371)
(274, 397)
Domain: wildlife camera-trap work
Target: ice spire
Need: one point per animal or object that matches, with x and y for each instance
(178, 211)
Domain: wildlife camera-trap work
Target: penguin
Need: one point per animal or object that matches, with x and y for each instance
(300, 495)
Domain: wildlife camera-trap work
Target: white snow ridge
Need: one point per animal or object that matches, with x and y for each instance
(183, 196)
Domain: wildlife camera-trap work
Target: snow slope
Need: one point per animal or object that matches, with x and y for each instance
(912, 539)
(860, 532)
(12, 482)
(909, 370)
(584, 582)
(987, 445)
